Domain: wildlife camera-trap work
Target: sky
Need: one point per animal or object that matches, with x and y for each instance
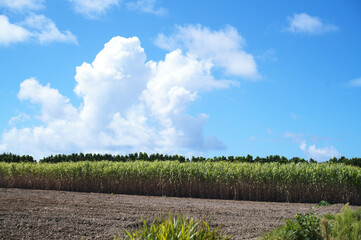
(204, 78)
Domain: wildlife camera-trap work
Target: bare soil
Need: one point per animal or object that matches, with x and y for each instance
(43, 214)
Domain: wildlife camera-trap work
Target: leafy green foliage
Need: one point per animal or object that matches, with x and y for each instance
(345, 225)
(323, 203)
(75, 157)
(352, 161)
(357, 214)
(176, 228)
(9, 157)
(304, 227)
(160, 157)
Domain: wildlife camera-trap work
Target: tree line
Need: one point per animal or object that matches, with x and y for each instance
(79, 157)
(9, 157)
(75, 157)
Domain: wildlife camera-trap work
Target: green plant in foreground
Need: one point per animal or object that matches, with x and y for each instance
(345, 225)
(174, 228)
(304, 227)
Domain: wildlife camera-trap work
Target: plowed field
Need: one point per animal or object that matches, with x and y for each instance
(42, 214)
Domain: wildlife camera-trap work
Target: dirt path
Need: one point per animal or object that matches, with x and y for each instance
(40, 214)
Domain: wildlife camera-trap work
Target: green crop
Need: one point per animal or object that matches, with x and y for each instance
(294, 182)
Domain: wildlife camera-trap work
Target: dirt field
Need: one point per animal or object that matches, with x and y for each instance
(40, 214)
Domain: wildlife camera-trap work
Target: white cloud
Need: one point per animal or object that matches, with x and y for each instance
(93, 8)
(45, 30)
(11, 33)
(355, 82)
(223, 48)
(175, 82)
(96, 8)
(113, 82)
(128, 105)
(54, 106)
(147, 6)
(304, 23)
(22, 117)
(20, 5)
(34, 27)
(319, 154)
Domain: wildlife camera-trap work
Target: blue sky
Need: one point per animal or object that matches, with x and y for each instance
(200, 77)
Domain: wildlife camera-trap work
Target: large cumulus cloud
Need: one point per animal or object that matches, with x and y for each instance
(128, 104)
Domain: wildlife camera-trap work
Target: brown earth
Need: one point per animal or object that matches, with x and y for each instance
(43, 214)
